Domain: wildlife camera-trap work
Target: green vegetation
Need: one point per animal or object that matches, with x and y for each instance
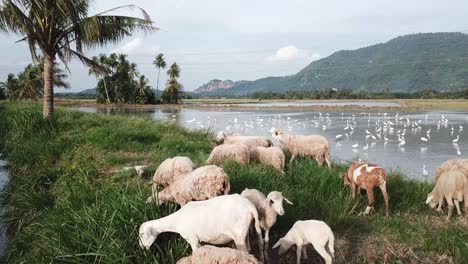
(173, 91)
(53, 26)
(66, 203)
(29, 84)
(350, 94)
(407, 64)
(120, 82)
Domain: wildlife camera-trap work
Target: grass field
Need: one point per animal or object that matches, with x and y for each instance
(65, 203)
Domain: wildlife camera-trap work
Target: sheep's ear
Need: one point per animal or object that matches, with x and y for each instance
(429, 198)
(277, 243)
(286, 199)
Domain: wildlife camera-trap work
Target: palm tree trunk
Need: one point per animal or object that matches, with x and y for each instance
(105, 88)
(48, 110)
(157, 84)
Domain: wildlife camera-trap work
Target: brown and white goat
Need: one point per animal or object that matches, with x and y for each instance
(367, 176)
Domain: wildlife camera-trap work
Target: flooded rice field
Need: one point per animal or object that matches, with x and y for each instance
(413, 142)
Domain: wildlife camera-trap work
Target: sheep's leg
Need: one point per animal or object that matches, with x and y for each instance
(266, 245)
(439, 208)
(353, 190)
(370, 196)
(304, 252)
(457, 205)
(292, 158)
(321, 250)
(328, 162)
(298, 253)
(450, 206)
(194, 243)
(383, 188)
(240, 245)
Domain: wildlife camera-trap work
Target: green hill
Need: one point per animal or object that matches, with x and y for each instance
(408, 63)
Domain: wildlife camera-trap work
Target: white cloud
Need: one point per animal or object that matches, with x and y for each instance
(136, 46)
(290, 53)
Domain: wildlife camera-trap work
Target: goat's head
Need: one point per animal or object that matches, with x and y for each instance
(147, 235)
(283, 245)
(275, 200)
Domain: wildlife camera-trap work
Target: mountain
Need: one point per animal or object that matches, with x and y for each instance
(404, 64)
(85, 94)
(214, 85)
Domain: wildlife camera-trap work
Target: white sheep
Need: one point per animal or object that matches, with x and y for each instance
(273, 156)
(203, 183)
(250, 141)
(215, 255)
(217, 221)
(170, 169)
(140, 169)
(451, 185)
(315, 146)
(237, 152)
(302, 233)
(268, 208)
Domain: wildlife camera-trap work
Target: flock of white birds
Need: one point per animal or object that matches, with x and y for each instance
(393, 128)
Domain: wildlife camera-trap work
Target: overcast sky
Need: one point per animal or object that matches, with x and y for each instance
(250, 39)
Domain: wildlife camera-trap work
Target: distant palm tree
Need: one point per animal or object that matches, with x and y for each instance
(160, 63)
(53, 25)
(174, 71)
(100, 69)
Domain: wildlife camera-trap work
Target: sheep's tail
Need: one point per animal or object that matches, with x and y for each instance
(258, 230)
(331, 243)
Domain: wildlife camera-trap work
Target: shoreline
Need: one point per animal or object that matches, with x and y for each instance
(405, 104)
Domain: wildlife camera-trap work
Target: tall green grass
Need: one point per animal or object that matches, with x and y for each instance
(65, 203)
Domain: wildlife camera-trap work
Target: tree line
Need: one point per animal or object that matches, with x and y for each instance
(350, 94)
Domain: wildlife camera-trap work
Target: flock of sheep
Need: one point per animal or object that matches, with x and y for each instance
(217, 217)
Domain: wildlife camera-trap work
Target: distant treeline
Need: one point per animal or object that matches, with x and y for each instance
(349, 94)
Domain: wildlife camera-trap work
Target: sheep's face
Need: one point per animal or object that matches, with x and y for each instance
(431, 201)
(283, 245)
(220, 137)
(275, 200)
(147, 236)
(278, 134)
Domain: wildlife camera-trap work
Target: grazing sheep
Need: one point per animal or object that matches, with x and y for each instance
(315, 146)
(273, 156)
(203, 183)
(451, 185)
(238, 152)
(217, 221)
(215, 255)
(367, 176)
(313, 232)
(453, 164)
(170, 169)
(268, 208)
(250, 141)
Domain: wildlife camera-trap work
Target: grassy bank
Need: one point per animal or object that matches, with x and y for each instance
(65, 204)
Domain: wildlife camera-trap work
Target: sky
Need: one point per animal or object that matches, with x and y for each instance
(251, 39)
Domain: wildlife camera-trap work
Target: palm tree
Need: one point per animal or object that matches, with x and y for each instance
(174, 71)
(11, 87)
(160, 63)
(100, 69)
(54, 25)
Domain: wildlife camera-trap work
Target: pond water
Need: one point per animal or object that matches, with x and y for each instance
(3, 182)
(413, 142)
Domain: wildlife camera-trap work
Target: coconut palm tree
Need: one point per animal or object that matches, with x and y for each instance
(174, 71)
(160, 63)
(53, 26)
(101, 69)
